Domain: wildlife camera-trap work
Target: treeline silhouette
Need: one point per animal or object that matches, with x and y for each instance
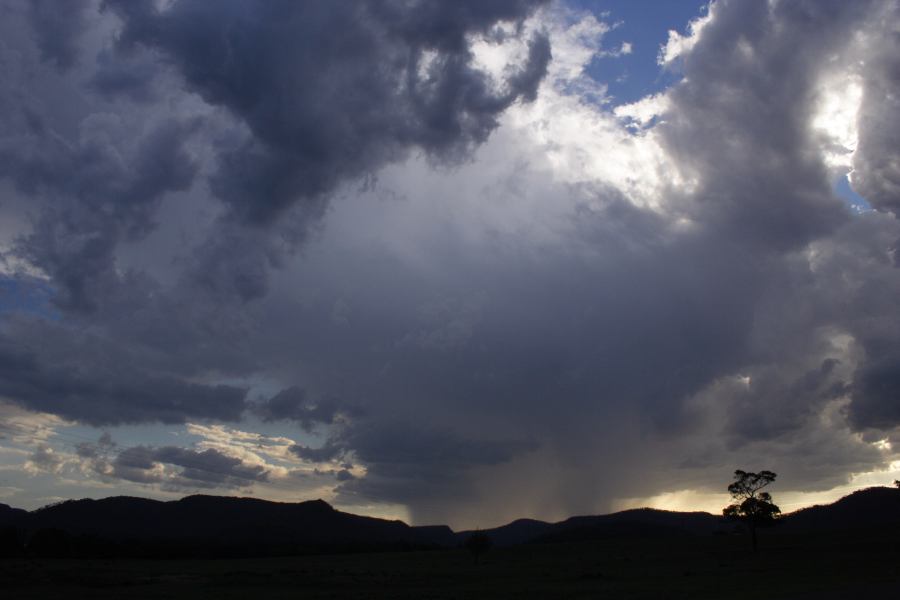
(226, 527)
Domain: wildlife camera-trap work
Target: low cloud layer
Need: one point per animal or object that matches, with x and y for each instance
(417, 245)
(206, 469)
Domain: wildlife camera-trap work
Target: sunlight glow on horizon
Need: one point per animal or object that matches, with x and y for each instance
(789, 501)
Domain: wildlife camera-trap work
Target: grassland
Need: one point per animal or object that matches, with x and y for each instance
(716, 567)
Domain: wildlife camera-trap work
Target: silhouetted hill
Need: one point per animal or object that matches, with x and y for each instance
(226, 526)
(220, 519)
(439, 535)
(213, 525)
(869, 508)
(11, 517)
(875, 507)
(641, 522)
(517, 532)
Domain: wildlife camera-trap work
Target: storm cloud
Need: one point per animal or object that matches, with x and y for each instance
(83, 379)
(326, 92)
(332, 91)
(419, 242)
(294, 404)
(57, 28)
(876, 171)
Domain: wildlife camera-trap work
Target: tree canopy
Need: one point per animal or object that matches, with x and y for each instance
(752, 506)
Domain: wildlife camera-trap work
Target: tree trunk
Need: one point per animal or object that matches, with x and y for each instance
(753, 535)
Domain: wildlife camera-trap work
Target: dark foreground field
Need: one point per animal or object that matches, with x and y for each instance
(814, 567)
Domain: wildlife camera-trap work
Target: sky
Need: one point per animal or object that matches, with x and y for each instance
(449, 262)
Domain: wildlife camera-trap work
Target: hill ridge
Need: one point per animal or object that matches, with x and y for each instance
(242, 525)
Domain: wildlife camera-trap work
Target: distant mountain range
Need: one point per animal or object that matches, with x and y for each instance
(226, 526)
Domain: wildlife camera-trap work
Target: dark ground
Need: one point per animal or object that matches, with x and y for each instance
(786, 567)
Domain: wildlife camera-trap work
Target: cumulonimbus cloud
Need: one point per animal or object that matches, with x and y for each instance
(525, 289)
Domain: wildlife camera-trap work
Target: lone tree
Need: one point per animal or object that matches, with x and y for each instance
(752, 506)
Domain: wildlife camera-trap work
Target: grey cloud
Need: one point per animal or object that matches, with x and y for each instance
(344, 475)
(324, 107)
(400, 456)
(133, 77)
(341, 476)
(235, 262)
(96, 450)
(408, 452)
(562, 350)
(325, 453)
(95, 181)
(57, 27)
(605, 353)
(876, 393)
(294, 404)
(44, 459)
(742, 118)
(74, 242)
(740, 121)
(199, 469)
(211, 466)
(92, 182)
(85, 378)
(416, 464)
(769, 407)
(876, 165)
(858, 270)
(826, 275)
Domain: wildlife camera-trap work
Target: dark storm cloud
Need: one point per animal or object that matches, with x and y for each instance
(57, 28)
(407, 461)
(86, 379)
(322, 91)
(294, 404)
(135, 77)
(319, 92)
(876, 392)
(876, 165)
(331, 91)
(199, 469)
(236, 261)
(398, 454)
(641, 350)
(406, 450)
(617, 351)
(552, 357)
(328, 92)
(767, 406)
(844, 288)
(742, 115)
(96, 197)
